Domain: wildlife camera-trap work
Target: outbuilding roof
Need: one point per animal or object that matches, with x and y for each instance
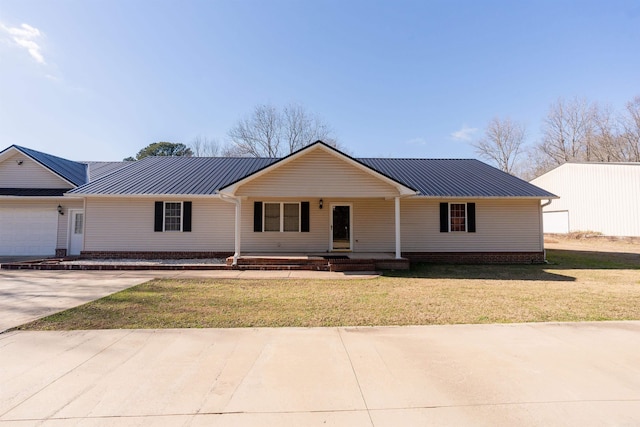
(438, 178)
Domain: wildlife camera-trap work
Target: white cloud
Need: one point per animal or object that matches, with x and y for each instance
(464, 134)
(26, 37)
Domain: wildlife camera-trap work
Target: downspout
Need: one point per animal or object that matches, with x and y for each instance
(542, 234)
(237, 203)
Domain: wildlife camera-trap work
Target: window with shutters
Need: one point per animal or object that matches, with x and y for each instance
(172, 216)
(283, 217)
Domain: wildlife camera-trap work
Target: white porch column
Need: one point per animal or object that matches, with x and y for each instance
(398, 249)
(236, 255)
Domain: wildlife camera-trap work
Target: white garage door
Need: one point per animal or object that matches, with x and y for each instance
(555, 222)
(28, 231)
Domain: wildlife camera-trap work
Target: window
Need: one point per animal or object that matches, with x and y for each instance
(291, 220)
(282, 217)
(458, 221)
(457, 217)
(290, 217)
(272, 217)
(78, 225)
(172, 216)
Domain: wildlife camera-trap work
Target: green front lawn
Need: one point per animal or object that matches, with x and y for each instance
(575, 286)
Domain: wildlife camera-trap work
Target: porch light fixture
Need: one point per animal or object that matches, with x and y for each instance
(321, 203)
(60, 211)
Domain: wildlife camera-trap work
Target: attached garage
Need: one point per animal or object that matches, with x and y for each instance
(28, 231)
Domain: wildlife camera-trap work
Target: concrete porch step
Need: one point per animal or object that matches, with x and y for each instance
(275, 267)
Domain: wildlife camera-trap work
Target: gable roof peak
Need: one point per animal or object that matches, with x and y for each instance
(74, 173)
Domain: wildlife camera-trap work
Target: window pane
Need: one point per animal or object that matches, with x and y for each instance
(272, 217)
(79, 219)
(172, 215)
(458, 217)
(291, 217)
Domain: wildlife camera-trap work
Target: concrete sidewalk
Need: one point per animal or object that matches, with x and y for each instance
(582, 374)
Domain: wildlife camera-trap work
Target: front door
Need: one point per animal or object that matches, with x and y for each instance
(77, 232)
(341, 228)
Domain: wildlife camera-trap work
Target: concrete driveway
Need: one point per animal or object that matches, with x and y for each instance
(26, 295)
(582, 374)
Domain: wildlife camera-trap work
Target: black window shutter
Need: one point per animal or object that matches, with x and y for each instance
(157, 225)
(186, 216)
(304, 215)
(471, 217)
(257, 216)
(444, 217)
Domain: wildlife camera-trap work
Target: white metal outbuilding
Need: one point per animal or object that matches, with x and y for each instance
(601, 197)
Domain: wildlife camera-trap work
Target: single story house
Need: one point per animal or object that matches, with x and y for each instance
(36, 218)
(316, 200)
(600, 197)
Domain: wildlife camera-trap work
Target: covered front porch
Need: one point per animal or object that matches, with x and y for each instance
(320, 204)
(330, 261)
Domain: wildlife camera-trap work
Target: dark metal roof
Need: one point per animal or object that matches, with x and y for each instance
(33, 192)
(97, 170)
(455, 178)
(174, 175)
(204, 176)
(74, 172)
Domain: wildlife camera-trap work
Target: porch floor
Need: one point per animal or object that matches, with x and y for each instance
(321, 261)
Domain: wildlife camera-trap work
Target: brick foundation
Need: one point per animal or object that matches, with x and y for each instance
(476, 257)
(152, 255)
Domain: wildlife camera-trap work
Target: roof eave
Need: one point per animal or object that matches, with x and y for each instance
(140, 196)
(552, 197)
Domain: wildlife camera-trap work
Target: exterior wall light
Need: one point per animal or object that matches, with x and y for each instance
(60, 210)
(321, 203)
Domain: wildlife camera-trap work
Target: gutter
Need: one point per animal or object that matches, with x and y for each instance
(548, 202)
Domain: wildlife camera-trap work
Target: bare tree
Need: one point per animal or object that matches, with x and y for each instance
(608, 144)
(631, 130)
(201, 146)
(270, 132)
(502, 143)
(569, 131)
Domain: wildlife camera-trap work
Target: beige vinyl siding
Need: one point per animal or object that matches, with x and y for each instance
(29, 174)
(372, 228)
(316, 240)
(374, 225)
(317, 174)
(126, 224)
(598, 197)
(501, 226)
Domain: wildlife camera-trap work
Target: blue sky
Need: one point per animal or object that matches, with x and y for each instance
(98, 79)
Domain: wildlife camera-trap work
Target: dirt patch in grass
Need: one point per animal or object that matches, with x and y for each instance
(575, 286)
(586, 241)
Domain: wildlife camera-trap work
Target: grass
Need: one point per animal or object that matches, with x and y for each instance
(575, 286)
